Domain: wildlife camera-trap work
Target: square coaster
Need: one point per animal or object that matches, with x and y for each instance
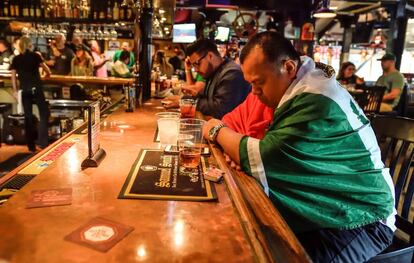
(49, 197)
(100, 234)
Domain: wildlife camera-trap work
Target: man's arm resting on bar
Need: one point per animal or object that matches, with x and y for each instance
(228, 139)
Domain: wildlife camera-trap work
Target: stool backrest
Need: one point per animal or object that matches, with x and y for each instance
(396, 138)
(373, 98)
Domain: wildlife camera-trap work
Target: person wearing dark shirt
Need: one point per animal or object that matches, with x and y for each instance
(5, 51)
(26, 65)
(177, 61)
(60, 56)
(347, 75)
(225, 88)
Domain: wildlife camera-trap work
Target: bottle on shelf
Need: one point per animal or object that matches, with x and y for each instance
(6, 8)
(38, 9)
(25, 12)
(122, 12)
(116, 11)
(109, 10)
(11, 5)
(101, 12)
(129, 13)
(32, 9)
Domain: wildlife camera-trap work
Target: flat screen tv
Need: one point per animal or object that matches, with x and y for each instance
(184, 33)
(223, 34)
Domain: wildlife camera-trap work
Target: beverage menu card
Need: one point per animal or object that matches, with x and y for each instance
(49, 197)
(157, 175)
(100, 234)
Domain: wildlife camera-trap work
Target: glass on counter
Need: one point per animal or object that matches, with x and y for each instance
(188, 108)
(168, 127)
(190, 143)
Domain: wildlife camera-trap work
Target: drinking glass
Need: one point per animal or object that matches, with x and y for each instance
(168, 127)
(189, 144)
(188, 108)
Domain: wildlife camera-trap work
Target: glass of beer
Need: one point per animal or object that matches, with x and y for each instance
(190, 143)
(188, 108)
(168, 126)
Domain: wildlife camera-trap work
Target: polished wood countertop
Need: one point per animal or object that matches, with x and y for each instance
(228, 230)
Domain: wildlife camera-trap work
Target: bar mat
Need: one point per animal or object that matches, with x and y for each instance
(156, 175)
(17, 182)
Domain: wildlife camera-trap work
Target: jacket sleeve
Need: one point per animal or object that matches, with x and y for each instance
(230, 91)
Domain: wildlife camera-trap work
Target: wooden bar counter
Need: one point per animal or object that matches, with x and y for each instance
(165, 231)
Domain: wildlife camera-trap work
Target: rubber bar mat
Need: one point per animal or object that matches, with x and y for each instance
(17, 182)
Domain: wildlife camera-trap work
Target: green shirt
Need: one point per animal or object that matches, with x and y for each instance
(319, 162)
(131, 58)
(394, 80)
(199, 78)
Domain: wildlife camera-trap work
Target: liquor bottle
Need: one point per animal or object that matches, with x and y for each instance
(129, 13)
(109, 10)
(76, 10)
(102, 12)
(25, 12)
(6, 8)
(11, 5)
(116, 11)
(32, 9)
(122, 12)
(38, 9)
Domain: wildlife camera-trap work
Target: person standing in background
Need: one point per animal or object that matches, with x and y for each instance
(60, 56)
(161, 63)
(99, 60)
(177, 61)
(82, 63)
(26, 66)
(120, 67)
(393, 80)
(125, 47)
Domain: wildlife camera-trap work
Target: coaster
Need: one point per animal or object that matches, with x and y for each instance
(49, 197)
(100, 234)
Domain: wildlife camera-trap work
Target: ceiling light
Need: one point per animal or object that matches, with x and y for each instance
(324, 11)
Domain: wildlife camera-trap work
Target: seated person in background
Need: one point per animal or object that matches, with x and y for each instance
(59, 57)
(226, 87)
(319, 162)
(177, 60)
(346, 75)
(99, 60)
(160, 63)
(125, 47)
(393, 80)
(120, 67)
(82, 63)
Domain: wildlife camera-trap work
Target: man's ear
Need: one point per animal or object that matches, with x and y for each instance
(289, 67)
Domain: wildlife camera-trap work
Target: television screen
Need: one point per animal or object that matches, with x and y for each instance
(184, 33)
(222, 34)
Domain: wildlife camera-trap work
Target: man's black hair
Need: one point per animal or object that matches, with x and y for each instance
(124, 56)
(275, 47)
(202, 46)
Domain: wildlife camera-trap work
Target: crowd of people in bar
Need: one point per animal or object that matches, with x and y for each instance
(283, 119)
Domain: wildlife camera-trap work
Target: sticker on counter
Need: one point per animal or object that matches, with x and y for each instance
(49, 197)
(100, 234)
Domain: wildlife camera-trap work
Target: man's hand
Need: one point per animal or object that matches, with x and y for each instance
(208, 126)
(189, 91)
(171, 102)
(232, 163)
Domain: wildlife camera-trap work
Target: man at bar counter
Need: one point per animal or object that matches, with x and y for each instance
(59, 57)
(319, 162)
(393, 80)
(225, 87)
